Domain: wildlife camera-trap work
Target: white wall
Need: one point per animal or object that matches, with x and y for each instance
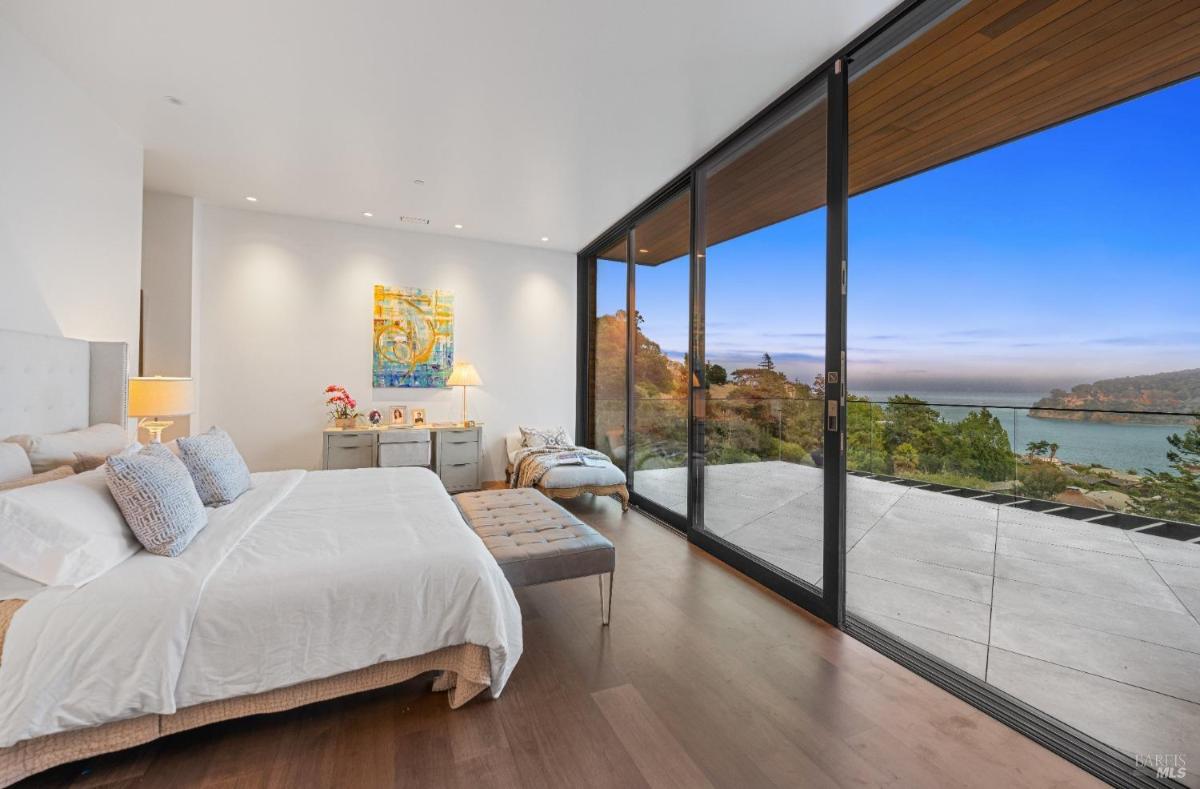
(70, 206)
(285, 309)
(167, 241)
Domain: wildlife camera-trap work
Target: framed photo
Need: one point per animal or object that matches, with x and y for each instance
(395, 414)
(418, 417)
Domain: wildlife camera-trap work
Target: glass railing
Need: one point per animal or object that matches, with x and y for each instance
(1114, 467)
(1078, 463)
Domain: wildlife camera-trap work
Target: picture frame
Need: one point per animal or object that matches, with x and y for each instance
(419, 417)
(395, 414)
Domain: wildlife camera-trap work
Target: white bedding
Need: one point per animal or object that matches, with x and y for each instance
(305, 576)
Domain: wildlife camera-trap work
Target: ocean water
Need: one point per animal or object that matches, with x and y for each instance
(1117, 446)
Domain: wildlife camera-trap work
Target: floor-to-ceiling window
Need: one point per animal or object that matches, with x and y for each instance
(764, 362)
(661, 242)
(608, 345)
(1022, 493)
(1023, 293)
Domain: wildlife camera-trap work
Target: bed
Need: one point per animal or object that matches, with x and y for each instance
(311, 585)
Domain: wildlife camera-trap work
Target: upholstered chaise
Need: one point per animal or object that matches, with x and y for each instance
(568, 482)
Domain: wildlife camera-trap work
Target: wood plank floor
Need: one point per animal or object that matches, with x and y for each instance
(703, 679)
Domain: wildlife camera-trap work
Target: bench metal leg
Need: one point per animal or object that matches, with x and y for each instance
(605, 612)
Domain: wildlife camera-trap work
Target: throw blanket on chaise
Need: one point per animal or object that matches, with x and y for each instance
(305, 576)
(530, 464)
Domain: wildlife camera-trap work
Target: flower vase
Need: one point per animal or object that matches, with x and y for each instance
(345, 423)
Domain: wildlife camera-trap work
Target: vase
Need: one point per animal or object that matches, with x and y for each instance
(345, 423)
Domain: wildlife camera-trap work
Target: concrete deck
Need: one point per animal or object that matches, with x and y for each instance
(1094, 625)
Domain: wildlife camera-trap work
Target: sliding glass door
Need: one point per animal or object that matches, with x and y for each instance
(660, 341)
(764, 343)
(1004, 495)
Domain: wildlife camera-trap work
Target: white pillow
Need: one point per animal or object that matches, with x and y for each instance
(51, 450)
(14, 463)
(64, 533)
(549, 438)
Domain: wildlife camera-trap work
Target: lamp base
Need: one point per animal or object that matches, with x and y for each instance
(155, 428)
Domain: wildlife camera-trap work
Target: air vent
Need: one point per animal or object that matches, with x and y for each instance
(414, 220)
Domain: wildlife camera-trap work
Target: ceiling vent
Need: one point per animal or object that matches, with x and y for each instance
(414, 220)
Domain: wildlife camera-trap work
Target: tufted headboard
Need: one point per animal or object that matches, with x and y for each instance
(53, 384)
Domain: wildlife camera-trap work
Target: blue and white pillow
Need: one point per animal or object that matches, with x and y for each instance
(216, 467)
(154, 492)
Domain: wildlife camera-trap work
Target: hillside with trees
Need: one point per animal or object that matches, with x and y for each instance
(1176, 392)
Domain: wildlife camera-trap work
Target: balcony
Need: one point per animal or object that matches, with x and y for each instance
(1073, 603)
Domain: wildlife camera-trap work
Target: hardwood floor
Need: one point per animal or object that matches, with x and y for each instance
(703, 679)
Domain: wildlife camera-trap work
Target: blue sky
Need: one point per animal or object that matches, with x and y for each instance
(1060, 258)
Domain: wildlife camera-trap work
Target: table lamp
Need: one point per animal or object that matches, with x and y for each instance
(153, 398)
(464, 375)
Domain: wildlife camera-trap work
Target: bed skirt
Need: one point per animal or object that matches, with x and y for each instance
(464, 671)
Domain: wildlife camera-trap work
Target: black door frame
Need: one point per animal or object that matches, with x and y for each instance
(907, 20)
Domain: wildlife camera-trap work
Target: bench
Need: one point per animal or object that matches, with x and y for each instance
(536, 541)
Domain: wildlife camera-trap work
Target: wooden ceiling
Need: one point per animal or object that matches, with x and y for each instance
(990, 72)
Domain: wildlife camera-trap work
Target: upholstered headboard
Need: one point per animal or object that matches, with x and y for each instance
(53, 384)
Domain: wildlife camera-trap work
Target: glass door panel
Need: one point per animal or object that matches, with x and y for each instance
(764, 343)
(609, 345)
(661, 244)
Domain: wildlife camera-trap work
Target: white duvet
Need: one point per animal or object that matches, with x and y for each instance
(307, 575)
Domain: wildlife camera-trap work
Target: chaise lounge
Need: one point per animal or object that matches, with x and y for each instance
(568, 482)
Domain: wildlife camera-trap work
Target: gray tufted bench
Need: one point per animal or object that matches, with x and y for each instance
(536, 541)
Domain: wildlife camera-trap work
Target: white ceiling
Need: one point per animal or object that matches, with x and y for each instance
(525, 118)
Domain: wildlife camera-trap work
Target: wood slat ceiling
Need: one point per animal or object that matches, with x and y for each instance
(988, 73)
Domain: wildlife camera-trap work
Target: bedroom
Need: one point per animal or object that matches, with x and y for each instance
(216, 219)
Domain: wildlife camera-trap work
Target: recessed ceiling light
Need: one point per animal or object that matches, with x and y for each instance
(418, 182)
(457, 227)
(252, 199)
(643, 251)
(368, 214)
(178, 102)
(545, 238)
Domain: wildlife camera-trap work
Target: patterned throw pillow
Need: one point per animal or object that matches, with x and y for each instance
(549, 438)
(216, 467)
(157, 498)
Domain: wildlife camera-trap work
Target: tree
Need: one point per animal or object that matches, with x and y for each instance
(905, 459)
(1042, 480)
(1053, 450)
(911, 421)
(767, 363)
(1177, 496)
(715, 374)
(1039, 448)
(979, 447)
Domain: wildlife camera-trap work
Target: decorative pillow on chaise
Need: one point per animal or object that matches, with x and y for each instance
(14, 463)
(51, 450)
(63, 533)
(216, 467)
(155, 493)
(62, 472)
(551, 438)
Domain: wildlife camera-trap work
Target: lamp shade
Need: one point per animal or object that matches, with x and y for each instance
(464, 374)
(160, 396)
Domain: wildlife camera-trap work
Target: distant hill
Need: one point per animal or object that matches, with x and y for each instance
(1178, 392)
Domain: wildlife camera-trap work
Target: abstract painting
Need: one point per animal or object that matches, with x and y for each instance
(414, 337)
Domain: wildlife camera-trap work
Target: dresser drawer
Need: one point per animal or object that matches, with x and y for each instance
(460, 476)
(361, 455)
(451, 451)
(409, 453)
(404, 437)
(350, 439)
